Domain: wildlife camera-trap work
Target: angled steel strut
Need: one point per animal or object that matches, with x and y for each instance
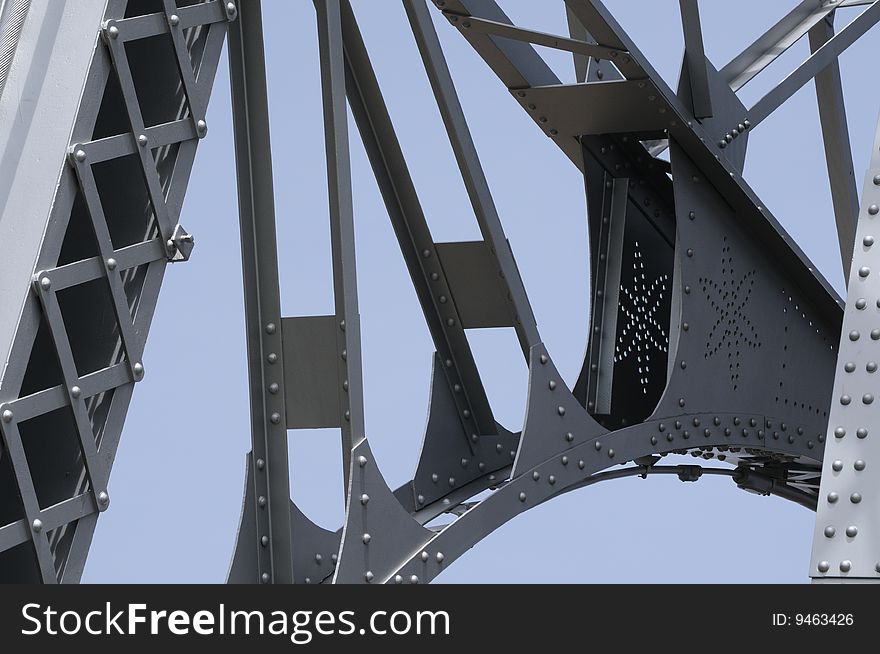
(711, 333)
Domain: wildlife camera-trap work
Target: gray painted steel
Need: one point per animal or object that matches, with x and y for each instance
(711, 332)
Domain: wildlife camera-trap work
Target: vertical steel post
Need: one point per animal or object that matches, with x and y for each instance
(253, 158)
(341, 226)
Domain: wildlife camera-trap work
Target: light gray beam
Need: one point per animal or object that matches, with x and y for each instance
(471, 169)
(695, 55)
(838, 153)
(775, 41)
(253, 158)
(815, 64)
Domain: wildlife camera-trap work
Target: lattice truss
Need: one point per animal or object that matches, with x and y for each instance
(711, 332)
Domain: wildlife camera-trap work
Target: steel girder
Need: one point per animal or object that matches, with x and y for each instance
(711, 332)
(135, 78)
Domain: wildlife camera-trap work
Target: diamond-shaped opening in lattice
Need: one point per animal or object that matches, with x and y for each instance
(19, 565)
(43, 370)
(79, 240)
(125, 200)
(143, 7)
(91, 325)
(54, 456)
(112, 116)
(10, 502)
(159, 89)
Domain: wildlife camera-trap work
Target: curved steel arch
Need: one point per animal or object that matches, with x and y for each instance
(710, 330)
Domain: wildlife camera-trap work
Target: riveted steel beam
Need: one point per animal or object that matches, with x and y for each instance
(247, 68)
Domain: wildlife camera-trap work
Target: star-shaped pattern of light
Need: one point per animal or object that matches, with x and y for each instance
(732, 329)
(642, 334)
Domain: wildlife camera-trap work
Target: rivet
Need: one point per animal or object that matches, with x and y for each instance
(610, 453)
(103, 497)
(265, 577)
(273, 388)
(451, 482)
(855, 498)
(362, 461)
(859, 465)
(876, 180)
(260, 464)
(264, 541)
(669, 437)
(421, 499)
(864, 271)
(368, 576)
(861, 303)
(681, 401)
(80, 155)
(875, 334)
(143, 140)
(564, 460)
(837, 465)
(275, 418)
(201, 127)
(829, 532)
(840, 432)
(113, 31)
(849, 366)
(439, 557)
(272, 357)
(845, 399)
(868, 241)
(536, 475)
(871, 366)
(867, 398)
(366, 539)
(261, 500)
(111, 264)
(138, 369)
(833, 497)
(552, 385)
(414, 579)
(543, 358)
(597, 445)
(365, 499)
(37, 525)
(823, 566)
(873, 209)
(270, 328)
(522, 497)
(560, 410)
(424, 555)
(551, 479)
(581, 464)
(318, 558)
(46, 283)
(8, 416)
(845, 566)
(75, 391)
(854, 335)
(852, 531)
(174, 20)
(653, 440)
